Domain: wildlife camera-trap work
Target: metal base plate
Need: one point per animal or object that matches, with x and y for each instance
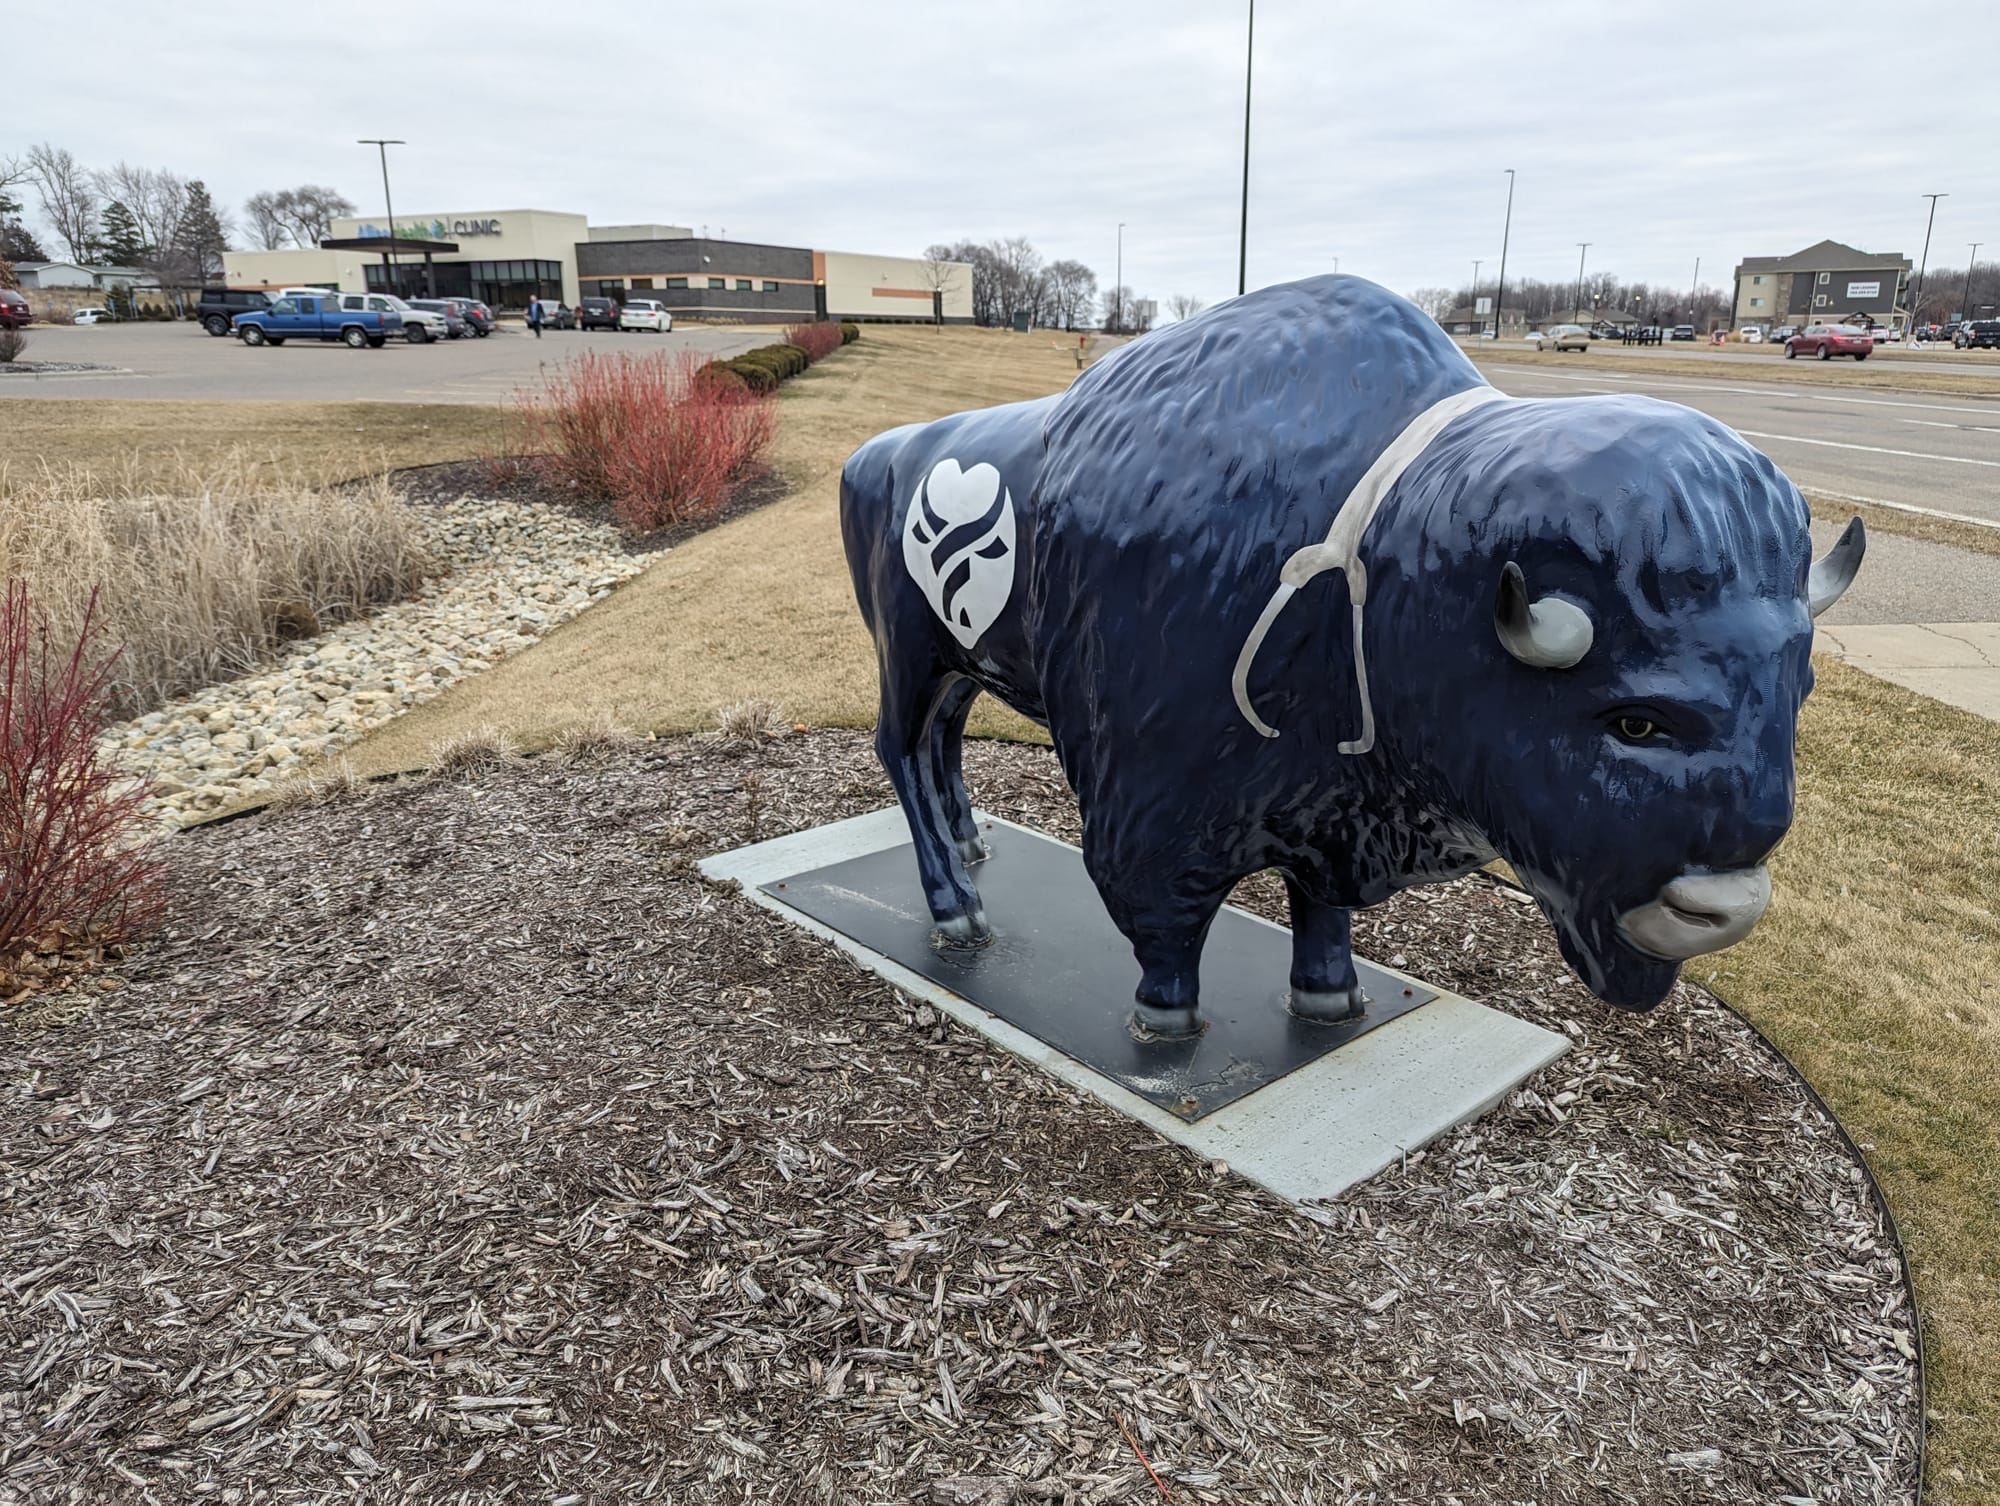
(1059, 970)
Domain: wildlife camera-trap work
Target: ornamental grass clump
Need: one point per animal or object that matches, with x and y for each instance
(662, 443)
(74, 877)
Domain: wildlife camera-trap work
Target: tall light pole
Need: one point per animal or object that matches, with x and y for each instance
(1243, 234)
(1582, 250)
(1694, 289)
(1965, 297)
(1500, 289)
(1914, 302)
(382, 145)
(1118, 284)
(1473, 307)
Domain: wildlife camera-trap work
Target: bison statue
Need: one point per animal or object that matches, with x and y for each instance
(1291, 587)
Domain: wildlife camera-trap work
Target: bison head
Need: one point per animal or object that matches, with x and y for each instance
(1601, 612)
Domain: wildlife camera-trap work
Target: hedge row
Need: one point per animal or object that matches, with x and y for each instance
(762, 369)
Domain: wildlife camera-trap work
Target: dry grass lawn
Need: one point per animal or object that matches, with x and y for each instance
(141, 444)
(1876, 971)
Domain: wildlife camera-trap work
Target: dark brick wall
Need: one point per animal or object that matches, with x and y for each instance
(731, 259)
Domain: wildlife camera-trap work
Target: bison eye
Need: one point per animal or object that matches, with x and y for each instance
(1637, 729)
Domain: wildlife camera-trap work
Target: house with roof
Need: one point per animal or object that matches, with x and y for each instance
(1824, 283)
(75, 274)
(1466, 321)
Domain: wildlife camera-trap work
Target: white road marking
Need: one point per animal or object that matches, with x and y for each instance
(1873, 449)
(1933, 423)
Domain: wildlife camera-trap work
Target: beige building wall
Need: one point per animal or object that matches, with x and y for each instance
(302, 268)
(491, 235)
(893, 287)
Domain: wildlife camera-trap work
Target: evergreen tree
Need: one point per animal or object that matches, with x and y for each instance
(17, 242)
(202, 240)
(119, 239)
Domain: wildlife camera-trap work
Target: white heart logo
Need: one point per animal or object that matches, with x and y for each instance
(958, 545)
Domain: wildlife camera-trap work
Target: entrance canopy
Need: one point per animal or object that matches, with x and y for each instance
(394, 245)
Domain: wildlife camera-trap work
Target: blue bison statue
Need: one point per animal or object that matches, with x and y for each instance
(1292, 587)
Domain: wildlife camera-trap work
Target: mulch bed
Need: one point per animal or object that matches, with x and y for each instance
(460, 1142)
(452, 479)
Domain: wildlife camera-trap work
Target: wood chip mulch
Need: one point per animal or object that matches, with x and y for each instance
(460, 1143)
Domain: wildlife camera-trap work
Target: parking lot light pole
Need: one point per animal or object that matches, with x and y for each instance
(1965, 296)
(1917, 301)
(1243, 233)
(382, 145)
(1583, 250)
(1500, 289)
(1118, 284)
(1472, 304)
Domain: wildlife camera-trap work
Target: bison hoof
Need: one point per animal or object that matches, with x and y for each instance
(1328, 1006)
(963, 932)
(971, 850)
(1169, 1023)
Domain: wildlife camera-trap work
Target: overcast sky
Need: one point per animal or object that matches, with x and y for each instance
(1660, 132)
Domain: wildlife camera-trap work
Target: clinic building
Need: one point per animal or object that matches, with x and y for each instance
(505, 257)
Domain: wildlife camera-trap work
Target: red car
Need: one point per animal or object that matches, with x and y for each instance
(1829, 340)
(14, 310)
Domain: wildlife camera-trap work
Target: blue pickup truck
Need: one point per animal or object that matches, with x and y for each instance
(298, 316)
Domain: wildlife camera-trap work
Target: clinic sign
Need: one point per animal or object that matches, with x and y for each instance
(432, 230)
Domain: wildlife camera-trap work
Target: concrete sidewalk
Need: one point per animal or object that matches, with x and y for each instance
(1954, 662)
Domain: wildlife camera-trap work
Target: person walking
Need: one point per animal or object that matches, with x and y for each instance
(535, 316)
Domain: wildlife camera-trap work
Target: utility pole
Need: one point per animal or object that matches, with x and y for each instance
(1118, 284)
(1917, 301)
(1243, 235)
(1500, 289)
(1472, 307)
(382, 145)
(1694, 290)
(1965, 297)
(1583, 250)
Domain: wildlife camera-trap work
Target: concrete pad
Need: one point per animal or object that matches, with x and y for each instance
(1311, 1134)
(1954, 662)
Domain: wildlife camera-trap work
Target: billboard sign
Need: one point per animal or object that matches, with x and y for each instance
(1864, 290)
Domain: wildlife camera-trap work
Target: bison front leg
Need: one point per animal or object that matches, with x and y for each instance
(947, 773)
(1325, 987)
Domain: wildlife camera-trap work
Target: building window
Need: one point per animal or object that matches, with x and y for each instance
(677, 282)
(743, 284)
(769, 286)
(1756, 282)
(643, 282)
(1756, 303)
(718, 282)
(1825, 278)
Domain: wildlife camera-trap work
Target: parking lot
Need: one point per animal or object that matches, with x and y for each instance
(185, 363)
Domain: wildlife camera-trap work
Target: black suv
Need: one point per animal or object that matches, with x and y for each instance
(219, 305)
(597, 313)
(1978, 334)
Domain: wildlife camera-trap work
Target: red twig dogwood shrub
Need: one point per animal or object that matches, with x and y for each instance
(650, 433)
(817, 340)
(71, 864)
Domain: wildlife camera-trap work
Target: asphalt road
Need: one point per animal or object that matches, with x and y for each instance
(1759, 362)
(182, 362)
(1939, 451)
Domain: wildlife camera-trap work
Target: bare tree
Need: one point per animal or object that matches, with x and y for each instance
(1072, 292)
(941, 275)
(267, 225)
(1437, 302)
(69, 196)
(158, 201)
(1184, 306)
(1019, 273)
(309, 211)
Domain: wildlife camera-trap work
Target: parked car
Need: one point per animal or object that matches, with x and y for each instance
(557, 315)
(477, 315)
(317, 316)
(14, 310)
(1978, 334)
(644, 313)
(451, 310)
(217, 306)
(1826, 341)
(1752, 334)
(1562, 337)
(1881, 332)
(597, 313)
(92, 316)
(1683, 332)
(1605, 332)
(420, 326)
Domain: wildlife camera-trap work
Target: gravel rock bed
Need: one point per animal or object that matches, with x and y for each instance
(51, 368)
(512, 570)
(460, 1142)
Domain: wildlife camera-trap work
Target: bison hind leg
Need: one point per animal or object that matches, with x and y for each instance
(947, 773)
(1325, 987)
(906, 742)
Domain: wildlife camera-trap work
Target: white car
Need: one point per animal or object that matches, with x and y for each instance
(92, 316)
(1751, 334)
(420, 326)
(644, 313)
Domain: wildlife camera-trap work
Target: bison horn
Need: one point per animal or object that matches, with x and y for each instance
(1834, 572)
(1549, 634)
